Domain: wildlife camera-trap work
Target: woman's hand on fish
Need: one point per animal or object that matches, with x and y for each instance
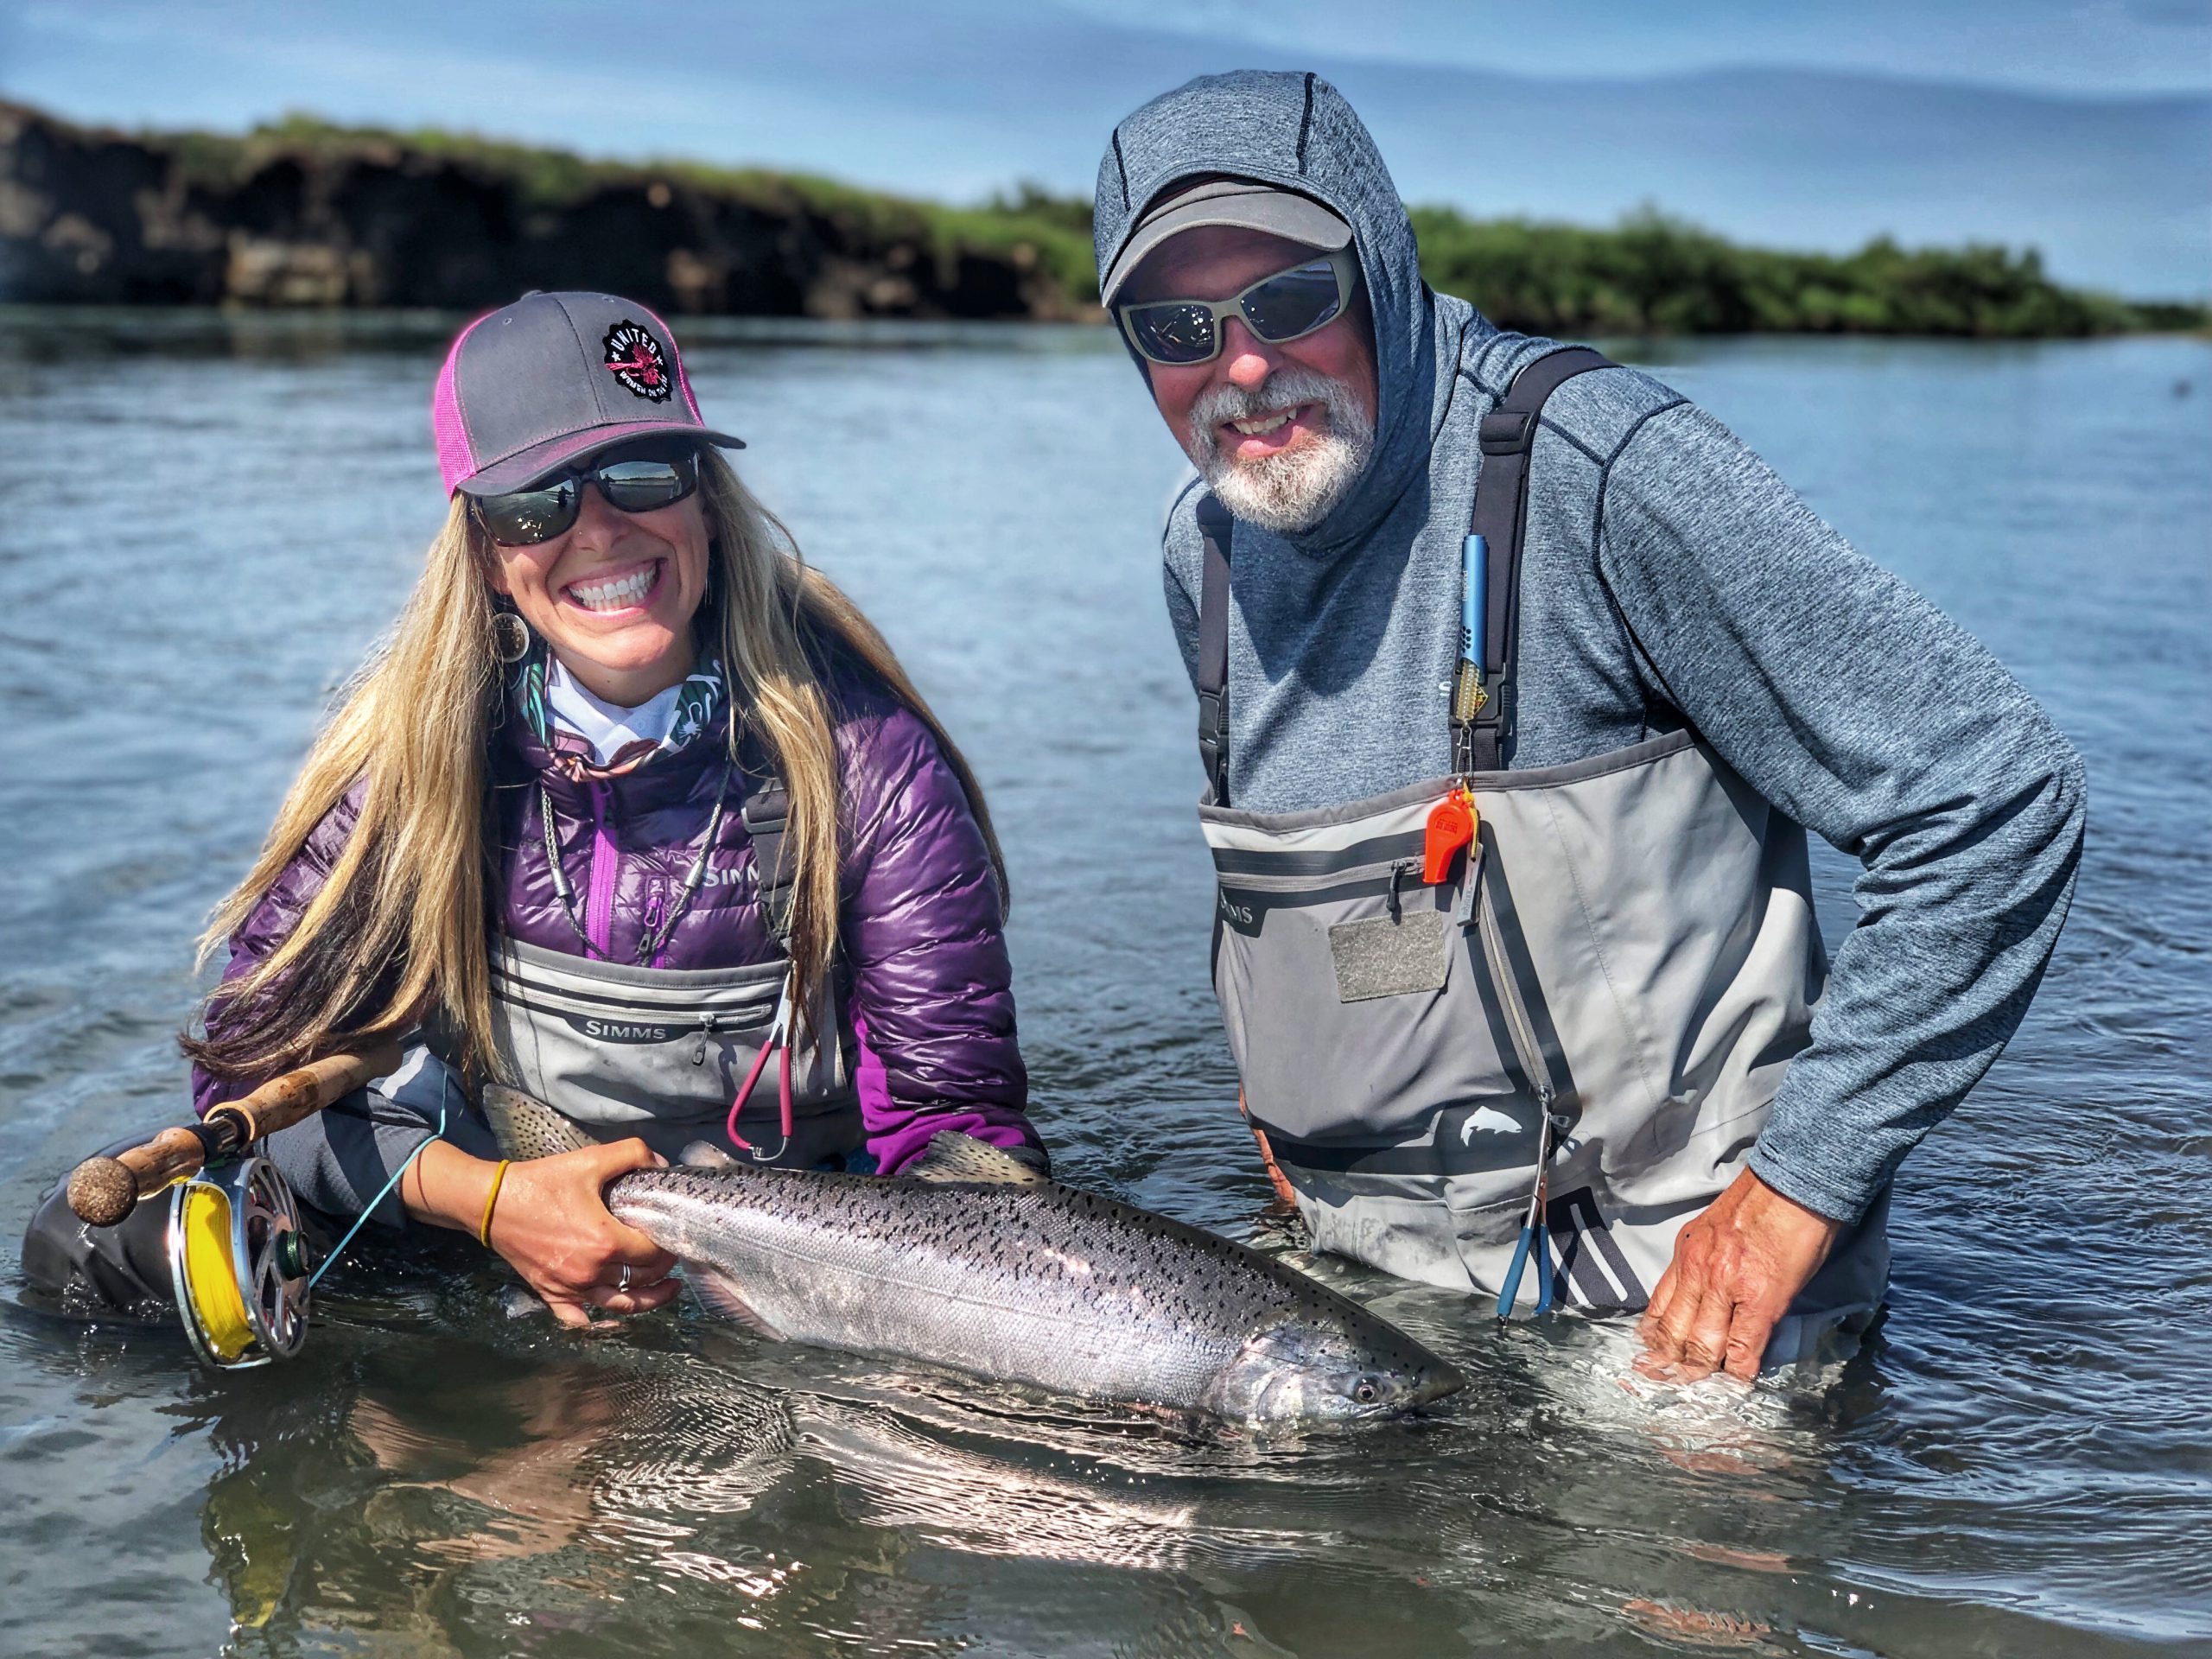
(1736, 1270)
(553, 1226)
(551, 1222)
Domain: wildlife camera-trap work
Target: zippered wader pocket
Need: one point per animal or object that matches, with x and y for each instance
(660, 1052)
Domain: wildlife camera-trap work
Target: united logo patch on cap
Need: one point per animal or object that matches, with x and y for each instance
(635, 357)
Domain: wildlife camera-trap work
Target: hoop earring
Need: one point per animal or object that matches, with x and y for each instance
(510, 636)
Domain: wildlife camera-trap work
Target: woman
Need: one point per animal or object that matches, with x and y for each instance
(631, 797)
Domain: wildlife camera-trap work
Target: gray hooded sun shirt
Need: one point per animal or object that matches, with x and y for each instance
(1670, 579)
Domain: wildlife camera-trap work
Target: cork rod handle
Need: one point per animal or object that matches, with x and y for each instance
(101, 1191)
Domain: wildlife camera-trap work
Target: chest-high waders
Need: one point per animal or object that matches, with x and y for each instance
(677, 1055)
(1557, 1039)
(672, 1056)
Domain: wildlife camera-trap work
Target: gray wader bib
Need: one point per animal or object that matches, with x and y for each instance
(622, 1050)
(1630, 937)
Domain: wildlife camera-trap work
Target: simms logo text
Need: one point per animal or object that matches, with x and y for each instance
(617, 1031)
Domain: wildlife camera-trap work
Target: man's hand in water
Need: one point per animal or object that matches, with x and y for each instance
(1735, 1271)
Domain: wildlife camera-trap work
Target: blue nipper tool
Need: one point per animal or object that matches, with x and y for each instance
(1474, 597)
(1469, 695)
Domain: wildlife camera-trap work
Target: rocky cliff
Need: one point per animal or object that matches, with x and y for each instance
(305, 214)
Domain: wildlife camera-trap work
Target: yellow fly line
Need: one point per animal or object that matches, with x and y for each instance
(211, 1270)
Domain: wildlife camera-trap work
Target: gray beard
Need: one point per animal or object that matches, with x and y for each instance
(1295, 490)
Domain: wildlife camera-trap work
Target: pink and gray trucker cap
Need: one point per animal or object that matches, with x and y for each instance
(552, 379)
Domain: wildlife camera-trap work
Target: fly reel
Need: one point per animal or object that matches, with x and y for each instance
(239, 1264)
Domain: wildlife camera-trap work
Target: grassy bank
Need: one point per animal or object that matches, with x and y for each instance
(1649, 274)
(1030, 224)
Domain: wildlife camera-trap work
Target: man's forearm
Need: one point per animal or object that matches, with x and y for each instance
(1862, 712)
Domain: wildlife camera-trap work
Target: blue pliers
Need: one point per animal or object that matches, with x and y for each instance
(1535, 1230)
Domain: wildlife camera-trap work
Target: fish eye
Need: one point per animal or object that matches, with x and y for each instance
(1365, 1392)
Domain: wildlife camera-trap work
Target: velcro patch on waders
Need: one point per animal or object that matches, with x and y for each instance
(1388, 955)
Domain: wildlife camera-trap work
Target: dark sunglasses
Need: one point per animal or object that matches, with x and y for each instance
(1283, 307)
(631, 482)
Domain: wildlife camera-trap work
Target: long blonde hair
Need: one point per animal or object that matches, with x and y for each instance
(397, 935)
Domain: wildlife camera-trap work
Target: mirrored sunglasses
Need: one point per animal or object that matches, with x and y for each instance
(1283, 307)
(630, 480)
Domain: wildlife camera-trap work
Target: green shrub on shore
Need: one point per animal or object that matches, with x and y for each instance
(1652, 274)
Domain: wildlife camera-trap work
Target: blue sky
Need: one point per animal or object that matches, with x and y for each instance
(2084, 129)
(2107, 46)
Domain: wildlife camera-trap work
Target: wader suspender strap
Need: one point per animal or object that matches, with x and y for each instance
(766, 813)
(1213, 648)
(1509, 434)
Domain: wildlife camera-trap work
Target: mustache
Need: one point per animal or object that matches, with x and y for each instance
(1283, 389)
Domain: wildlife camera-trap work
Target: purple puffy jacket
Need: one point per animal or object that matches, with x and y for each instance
(922, 952)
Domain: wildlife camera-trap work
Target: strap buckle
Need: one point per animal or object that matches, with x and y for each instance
(1506, 431)
(765, 811)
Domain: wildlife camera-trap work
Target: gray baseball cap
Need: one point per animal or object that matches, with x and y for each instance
(550, 380)
(1243, 202)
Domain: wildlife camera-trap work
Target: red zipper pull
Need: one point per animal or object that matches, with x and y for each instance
(1451, 826)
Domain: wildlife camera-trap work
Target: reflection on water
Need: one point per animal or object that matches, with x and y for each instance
(485, 1473)
(203, 519)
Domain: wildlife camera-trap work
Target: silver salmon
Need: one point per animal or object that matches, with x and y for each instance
(1025, 1280)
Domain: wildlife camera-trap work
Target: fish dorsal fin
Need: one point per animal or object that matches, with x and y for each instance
(719, 1293)
(527, 1127)
(704, 1154)
(952, 1156)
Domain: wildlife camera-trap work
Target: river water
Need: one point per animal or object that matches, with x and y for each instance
(202, 523)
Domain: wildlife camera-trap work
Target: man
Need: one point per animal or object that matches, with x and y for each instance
(1519, 686)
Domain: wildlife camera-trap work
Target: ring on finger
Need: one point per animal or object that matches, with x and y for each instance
(623, 1283)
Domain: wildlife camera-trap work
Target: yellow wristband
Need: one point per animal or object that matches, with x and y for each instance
(484, 1228)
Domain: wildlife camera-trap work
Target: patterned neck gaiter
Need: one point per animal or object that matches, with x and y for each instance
(697, 702)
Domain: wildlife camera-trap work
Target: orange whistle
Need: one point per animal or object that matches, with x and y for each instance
(1451, 826)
